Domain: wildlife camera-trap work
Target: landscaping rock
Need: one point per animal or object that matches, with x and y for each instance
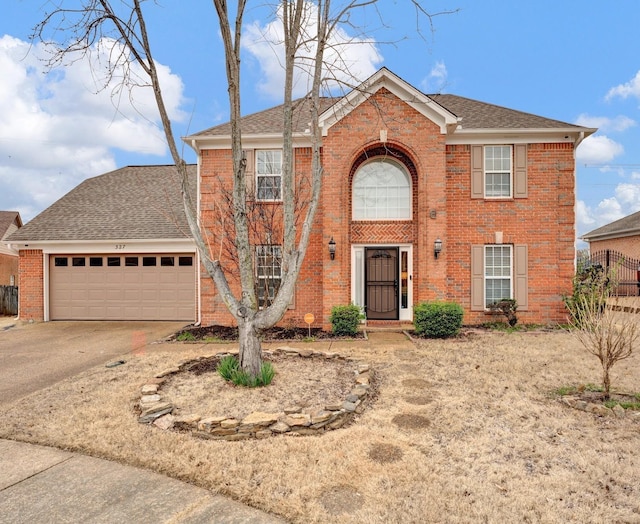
(257, 425)
(164, 422)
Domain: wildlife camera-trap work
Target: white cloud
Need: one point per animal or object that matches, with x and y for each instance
(59, 128)
(626, 200)
(598, 149)
(348, 59)
(631, 88)
(435, 81)
(605, 124)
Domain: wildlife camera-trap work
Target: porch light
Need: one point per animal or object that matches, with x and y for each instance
(332, 248)
(437, 247)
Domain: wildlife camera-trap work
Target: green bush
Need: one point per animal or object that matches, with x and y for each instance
(229, 369)
(345, 320)
(592, 286)
(437, 319)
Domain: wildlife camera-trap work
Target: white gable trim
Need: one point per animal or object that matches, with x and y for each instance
(384, 78)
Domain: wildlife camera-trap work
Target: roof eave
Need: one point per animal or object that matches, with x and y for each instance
(24, 243)
(384, 78)
(573, 135)
(611, 234)
(198, 143)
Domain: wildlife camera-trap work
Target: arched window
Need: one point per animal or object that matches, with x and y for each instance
(381, 191)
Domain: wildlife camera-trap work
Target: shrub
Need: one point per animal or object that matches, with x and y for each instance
(345, 320)
(437, 319)
(506, 306)
(592, 286)
(229, 369)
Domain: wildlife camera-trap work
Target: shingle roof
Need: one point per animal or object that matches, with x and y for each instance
(7, 218)
(481, 115)
(271, 121)
(629, 225)
(474, 114)
(135, 202)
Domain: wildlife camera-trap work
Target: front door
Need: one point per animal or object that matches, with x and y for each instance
(381, 283)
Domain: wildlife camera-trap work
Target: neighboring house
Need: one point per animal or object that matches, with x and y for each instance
(621, 235)
(10, 222)
(117, 247)
(423, 198)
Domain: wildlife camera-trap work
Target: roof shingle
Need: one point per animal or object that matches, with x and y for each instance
(135, 202)
(628, 224)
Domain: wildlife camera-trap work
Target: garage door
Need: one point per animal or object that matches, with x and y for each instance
(122, 287)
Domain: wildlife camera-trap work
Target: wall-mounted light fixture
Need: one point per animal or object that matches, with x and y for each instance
(437, 247)
(332, 248)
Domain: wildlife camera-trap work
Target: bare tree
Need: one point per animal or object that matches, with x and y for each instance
(599, 323)
(305, 41)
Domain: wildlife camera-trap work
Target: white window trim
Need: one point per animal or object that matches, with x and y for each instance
(484, 269)
(486, 172)
(258, 175)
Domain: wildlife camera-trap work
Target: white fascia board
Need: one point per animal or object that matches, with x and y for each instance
(518, 136)
(264, 141)
(112, 246)
(613, 235)
(384, 78)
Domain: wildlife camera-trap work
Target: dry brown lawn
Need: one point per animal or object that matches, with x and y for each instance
(464, 430)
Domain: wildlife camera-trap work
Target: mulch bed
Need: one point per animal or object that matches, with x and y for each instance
(229, 334)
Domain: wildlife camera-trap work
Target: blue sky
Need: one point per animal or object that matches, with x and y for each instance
(571, 61)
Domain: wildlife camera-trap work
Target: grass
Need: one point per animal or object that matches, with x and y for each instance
(573, 390)
(229, 369)
(461, 430)
(185, 336)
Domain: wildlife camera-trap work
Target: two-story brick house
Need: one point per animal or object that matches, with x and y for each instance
(423, 197)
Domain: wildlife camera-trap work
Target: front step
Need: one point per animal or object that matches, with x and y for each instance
(386, 325)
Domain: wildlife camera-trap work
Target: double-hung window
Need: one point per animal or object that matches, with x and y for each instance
(498, 281)
(498, 171)
(269, 273)
(269, 174)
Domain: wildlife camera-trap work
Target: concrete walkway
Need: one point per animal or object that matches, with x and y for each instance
(46, 485)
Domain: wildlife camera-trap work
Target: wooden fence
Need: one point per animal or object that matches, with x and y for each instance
(8, 300)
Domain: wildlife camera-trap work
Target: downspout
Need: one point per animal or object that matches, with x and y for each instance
(578, 141)
(198, 280)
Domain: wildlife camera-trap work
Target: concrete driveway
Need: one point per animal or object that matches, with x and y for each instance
(34, 356)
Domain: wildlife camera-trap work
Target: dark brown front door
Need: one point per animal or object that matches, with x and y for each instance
(381, 276)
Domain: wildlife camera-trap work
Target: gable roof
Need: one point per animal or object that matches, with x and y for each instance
(8, 219)
(270, 120)
(624, 227)
(455, 114)
(135, 202)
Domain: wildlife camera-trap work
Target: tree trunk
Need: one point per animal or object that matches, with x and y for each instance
(250, 347)
(606, 382)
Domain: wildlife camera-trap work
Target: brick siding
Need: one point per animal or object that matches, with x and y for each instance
(31, 285)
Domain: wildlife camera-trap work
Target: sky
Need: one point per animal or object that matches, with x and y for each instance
(567, 60)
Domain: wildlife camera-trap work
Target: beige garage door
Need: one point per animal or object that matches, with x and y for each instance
(122, 287)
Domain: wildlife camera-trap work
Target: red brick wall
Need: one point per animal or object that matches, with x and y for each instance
(629, 246)
(420, 142)
(216, 164)
(442, 208)
(8, 267)
(544, 222)
(31, 285)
